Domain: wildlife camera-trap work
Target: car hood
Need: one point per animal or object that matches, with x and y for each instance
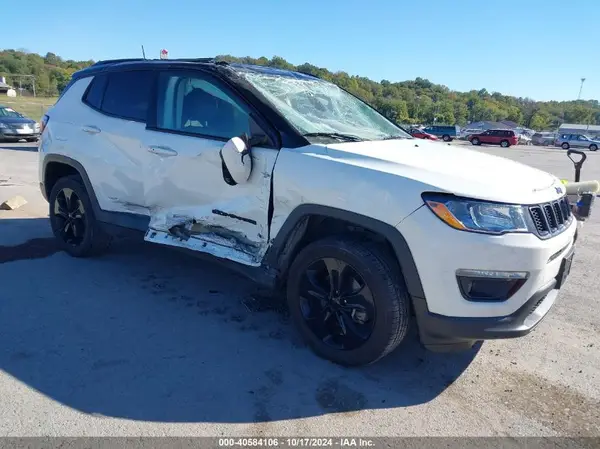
(16, 120)
(453, 169)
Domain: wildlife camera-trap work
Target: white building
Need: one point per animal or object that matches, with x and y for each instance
(574, 128)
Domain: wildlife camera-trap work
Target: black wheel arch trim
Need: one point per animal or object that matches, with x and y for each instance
(121, 219)
(279, 253)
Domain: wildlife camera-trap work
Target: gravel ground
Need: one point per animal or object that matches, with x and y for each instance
(145, 341)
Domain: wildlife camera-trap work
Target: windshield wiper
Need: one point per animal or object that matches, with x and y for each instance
(339, 136)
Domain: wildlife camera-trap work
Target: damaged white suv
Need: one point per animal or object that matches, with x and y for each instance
(309, 191)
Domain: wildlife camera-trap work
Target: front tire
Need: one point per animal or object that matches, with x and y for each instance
(475, 141)
(593, 147)
(348, 301)
(446, 138)
(565, 146)
(72, 219)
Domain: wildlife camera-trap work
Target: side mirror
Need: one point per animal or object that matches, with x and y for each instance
(236, 160)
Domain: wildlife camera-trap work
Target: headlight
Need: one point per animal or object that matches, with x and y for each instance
(36, 126)
(3, 125)
(477, 216)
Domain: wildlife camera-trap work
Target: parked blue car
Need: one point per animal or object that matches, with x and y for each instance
(445, 132)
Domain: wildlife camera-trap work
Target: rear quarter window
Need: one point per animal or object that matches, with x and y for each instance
(127, 94)
(95, 92)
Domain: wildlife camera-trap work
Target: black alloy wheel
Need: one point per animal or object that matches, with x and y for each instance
(70, 217)
(348, 300)
(337, 304)
(73, 221)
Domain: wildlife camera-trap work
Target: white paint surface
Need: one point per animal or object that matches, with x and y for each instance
(178, 179)
(171, 178)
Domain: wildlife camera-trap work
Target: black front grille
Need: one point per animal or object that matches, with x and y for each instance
(551, 218)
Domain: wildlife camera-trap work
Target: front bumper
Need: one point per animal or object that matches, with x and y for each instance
(449, 321)
(443, 334)
(13, 134)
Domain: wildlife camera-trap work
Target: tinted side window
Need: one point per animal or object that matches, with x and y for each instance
(128, 94)
(95, 91)
(191, 103)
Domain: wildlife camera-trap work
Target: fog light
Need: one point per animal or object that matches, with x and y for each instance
(484, 285)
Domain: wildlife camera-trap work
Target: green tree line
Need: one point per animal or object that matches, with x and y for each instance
(421, 101)
(415, 101)
(52, 73)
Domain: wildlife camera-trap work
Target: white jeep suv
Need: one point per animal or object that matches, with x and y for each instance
(311, 192)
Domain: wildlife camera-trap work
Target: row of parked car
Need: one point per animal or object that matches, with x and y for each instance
(566, 140)
(502, 137)
(506, 137)
(569, 140)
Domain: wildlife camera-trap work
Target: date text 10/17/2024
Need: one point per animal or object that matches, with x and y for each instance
(295, 442)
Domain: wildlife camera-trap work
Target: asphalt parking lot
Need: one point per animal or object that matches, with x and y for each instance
(146, 341)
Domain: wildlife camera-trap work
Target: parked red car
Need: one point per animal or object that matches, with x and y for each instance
(502, 137)
(420, 134)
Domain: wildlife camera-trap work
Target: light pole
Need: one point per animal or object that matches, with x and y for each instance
(417, 112)
(580, 88)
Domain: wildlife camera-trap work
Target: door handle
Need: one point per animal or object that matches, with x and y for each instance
(162, 151)
(90, 129)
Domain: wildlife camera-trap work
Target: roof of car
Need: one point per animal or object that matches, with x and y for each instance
(205, 63)
(266, 70)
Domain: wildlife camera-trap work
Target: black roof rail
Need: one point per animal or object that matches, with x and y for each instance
(208, 60)
(116, 61)
(201, 60)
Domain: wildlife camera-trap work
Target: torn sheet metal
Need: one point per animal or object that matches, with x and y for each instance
(209, 243)
(192, 206)
(202, 232)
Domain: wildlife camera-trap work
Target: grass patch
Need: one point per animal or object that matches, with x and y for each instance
(29, 106)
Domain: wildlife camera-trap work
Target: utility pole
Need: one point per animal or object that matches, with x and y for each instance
(580, 88)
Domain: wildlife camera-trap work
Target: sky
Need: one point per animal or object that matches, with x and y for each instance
(529, 48)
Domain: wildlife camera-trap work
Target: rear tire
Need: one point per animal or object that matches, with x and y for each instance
(322, 313)
(593, 147)
(446, 138)
(73, 221)
(565, 146)
(505, 144)
(475, 141)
